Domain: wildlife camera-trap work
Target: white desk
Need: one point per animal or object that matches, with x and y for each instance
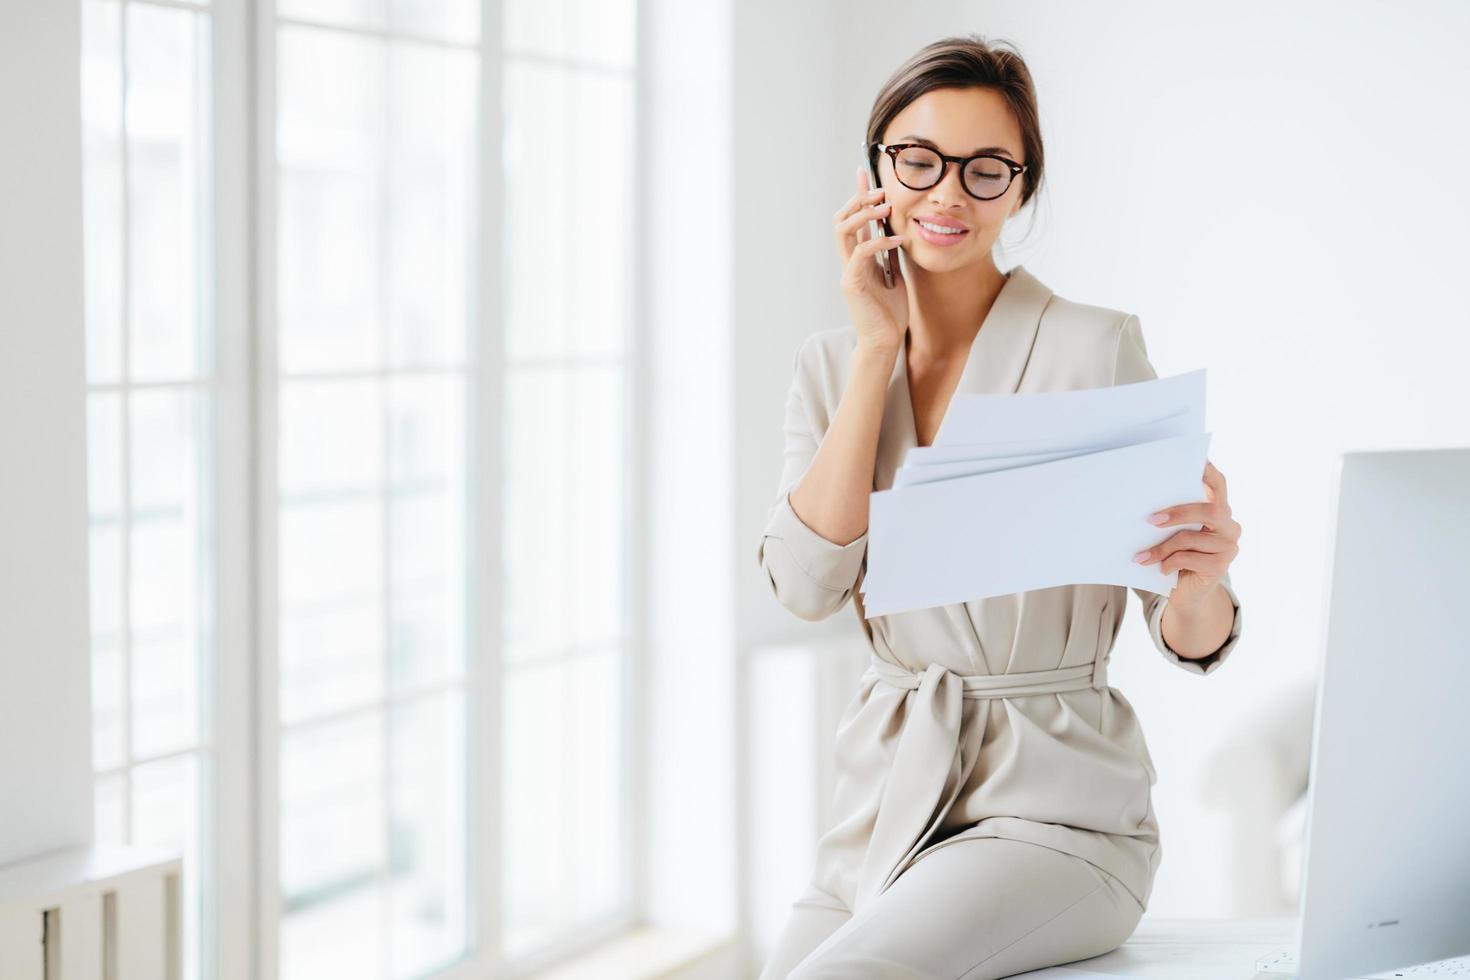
(1195, 949)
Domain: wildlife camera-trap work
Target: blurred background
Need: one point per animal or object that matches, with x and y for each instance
(390, 406)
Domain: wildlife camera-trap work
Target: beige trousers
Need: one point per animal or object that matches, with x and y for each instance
(969, 910)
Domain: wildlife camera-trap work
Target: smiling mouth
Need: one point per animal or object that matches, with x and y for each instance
(939, 229)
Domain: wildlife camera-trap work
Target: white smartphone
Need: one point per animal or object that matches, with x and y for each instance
(880, 227)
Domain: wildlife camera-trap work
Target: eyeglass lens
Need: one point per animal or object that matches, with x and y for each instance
(919, 168)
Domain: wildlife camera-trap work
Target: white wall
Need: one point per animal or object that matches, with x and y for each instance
(1206, 170)
(785, 259)
(684, 226)
(45, 719)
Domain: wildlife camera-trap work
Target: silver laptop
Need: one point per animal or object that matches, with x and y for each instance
(1386, 859)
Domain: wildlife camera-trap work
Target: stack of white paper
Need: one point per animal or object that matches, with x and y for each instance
(1031, 491)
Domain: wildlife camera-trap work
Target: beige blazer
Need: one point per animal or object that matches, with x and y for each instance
(990, 718)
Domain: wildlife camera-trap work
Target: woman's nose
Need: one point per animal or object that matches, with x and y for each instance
(943, 192)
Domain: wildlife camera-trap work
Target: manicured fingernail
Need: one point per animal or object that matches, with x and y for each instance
(1159, 518)
(1140, 556)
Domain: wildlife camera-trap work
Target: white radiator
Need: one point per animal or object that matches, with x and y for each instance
(101, 912)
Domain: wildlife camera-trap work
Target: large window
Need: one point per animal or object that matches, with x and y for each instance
(399, 414)
(568, 103)
(146, 82)
(375, 202)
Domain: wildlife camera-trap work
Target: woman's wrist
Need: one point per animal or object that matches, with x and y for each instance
(876, 353)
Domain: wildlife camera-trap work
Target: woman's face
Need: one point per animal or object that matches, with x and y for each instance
(958, 122)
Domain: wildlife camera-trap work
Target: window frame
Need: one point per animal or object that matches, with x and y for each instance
(238, 735)
(485, 376)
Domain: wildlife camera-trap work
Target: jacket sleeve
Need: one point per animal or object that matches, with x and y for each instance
(1153, 614)
(1132, 365)
(810, 575)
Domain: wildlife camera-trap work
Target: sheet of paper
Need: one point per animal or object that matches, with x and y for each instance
(983, 418)
(1077, 520)
(1067, 973)
(971, 460)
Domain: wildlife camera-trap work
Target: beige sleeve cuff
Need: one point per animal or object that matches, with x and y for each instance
(1202, 665)
(811, 575)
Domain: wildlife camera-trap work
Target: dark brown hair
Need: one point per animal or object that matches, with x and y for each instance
(965, 61)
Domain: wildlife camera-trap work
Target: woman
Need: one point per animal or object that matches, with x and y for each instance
(986, 823)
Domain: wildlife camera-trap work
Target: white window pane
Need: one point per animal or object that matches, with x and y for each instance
(167, 56)
(331, 611)
(104, 455)
(105, 572)
(166, 594)
(347, 13)
(164, 453)
(165, 804)
(600, 116)
(165, 685)
(330, 147)
(537, 797)
(332, 848)
(538, 217)
(429, 856)
(449, 20)
(431, 203)
(599, 31)
(108, 751)
(536, 542)
(166, 815)
(593, 572)
(331, 806)
(427, 431)
(331, 658)
(563, 843)
(109, 809)
(164, 649)
(340, 937)
(570, 131)
(102, 185)
(162, 571)
(564, 507)
(330, 552)
(596, 839)
(106, 575)
(331, 437)
(427, 608)
(429, 554)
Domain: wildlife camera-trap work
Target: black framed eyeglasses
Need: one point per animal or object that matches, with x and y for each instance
(985, 176)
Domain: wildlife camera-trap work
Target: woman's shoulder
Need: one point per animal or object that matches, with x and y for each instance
(1073, 315)
(824, 355)
(827, 346)
(1062, 313)
(1081, 333)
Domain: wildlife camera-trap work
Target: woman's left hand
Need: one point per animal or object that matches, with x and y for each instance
(1202, 556)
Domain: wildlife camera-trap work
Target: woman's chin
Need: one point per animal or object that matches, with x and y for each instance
(943, 259)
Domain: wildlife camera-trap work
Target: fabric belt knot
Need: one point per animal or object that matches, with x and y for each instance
(934, 758)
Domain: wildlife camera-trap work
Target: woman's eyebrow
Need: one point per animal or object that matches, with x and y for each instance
(984, 149)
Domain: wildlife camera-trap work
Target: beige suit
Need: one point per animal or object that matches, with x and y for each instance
(984, 720)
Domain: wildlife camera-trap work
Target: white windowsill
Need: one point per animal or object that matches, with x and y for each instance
(643, 953)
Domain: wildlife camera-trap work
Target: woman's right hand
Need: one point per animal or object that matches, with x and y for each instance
(879, 314)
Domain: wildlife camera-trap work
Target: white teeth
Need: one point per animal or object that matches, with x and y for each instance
(941, 229)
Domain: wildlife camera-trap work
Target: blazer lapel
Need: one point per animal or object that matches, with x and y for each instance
(996, 361)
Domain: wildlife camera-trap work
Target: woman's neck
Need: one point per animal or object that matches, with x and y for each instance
(946, 309)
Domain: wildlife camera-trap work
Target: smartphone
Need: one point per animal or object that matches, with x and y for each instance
(887, 256)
